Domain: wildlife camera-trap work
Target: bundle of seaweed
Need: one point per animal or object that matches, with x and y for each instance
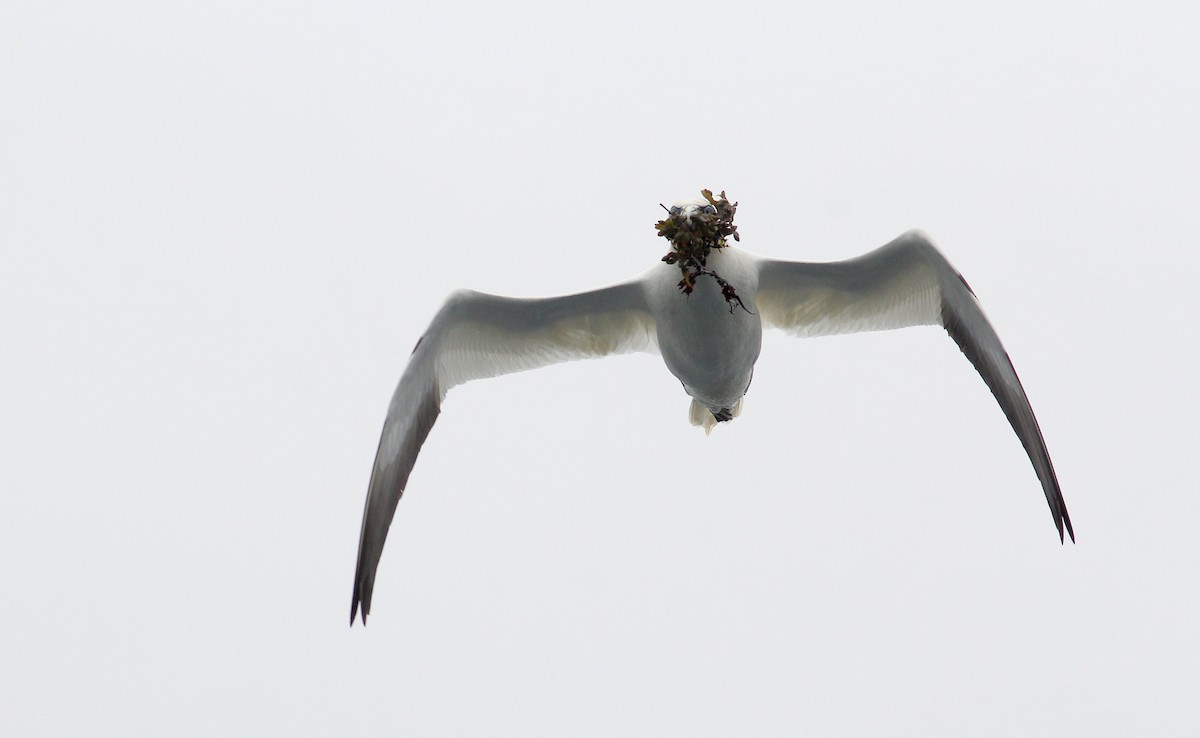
(694, 236)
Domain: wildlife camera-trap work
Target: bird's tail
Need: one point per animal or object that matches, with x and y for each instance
(702, 416)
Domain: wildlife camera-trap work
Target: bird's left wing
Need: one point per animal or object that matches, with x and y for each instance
(907, 282)
(473, 336)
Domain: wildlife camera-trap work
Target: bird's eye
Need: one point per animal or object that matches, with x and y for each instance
(709, 209)
(675, 209)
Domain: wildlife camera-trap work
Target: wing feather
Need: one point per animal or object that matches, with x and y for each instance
(474, 336)
(907, 282)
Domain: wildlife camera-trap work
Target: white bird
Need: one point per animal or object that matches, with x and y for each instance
(707, 341)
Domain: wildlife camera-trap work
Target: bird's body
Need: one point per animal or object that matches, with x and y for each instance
(707, 344)
(708, 339)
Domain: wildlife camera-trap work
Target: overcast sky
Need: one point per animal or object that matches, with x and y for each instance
(224, 226)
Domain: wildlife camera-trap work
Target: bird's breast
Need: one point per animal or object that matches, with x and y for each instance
(709, 342)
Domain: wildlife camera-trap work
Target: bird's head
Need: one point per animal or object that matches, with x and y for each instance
(687, 209)
(699, 224)
(695, 228)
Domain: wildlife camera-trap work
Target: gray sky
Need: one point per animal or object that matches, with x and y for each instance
(224, 227)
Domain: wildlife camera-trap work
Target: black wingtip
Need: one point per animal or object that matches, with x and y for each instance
(354, 602)
(354, 614)
(1062, 521)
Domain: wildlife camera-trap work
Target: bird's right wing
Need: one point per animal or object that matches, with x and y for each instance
(474, 336)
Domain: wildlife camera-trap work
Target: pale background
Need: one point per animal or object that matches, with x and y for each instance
(224, 226)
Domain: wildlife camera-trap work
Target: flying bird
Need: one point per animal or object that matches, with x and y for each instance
(707, 326)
